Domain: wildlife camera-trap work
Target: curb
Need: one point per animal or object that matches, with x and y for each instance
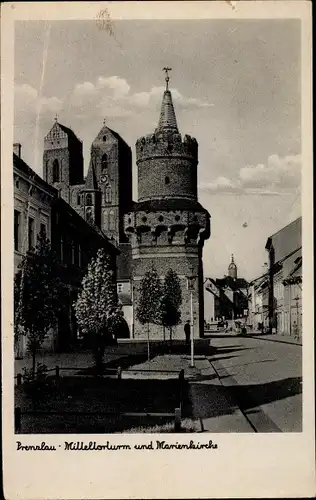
(271, 340)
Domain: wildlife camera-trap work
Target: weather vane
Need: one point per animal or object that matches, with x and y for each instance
(56, 117)
(166, 69)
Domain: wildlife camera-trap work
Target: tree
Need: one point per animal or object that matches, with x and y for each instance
(149, 301)
(97, 310)
(38, 296)
(171, 301)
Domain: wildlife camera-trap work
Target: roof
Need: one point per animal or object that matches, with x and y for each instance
(77, 219)
(167, 120)
(117, 136)
(68, 131)
(91, 179)
(234, 283)
(286, 240)
(33, 176)
(169, 204)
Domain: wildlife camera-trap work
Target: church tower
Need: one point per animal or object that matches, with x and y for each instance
(62, 159)
(168, 226)
(232, 269)
(111, 161)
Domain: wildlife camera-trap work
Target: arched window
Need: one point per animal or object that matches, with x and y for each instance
(89, 216)
(111, 221)
(106, 220)
(108, 194)
(104, 162)
(89, 200)
(55, 171)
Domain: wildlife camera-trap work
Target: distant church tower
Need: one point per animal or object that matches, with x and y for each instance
(168, 226)
(62, 159)
(232, 269)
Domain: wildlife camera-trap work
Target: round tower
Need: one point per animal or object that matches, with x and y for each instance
(232, 269)
(167, 226)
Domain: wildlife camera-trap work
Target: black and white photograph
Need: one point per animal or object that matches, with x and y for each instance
(157, 231)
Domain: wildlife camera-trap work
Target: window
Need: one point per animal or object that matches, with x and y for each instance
(105, 220)
(43, 229)
(17, 220)
(108, 196)
(89, 200)
(120, 287)
(167, 180)
(55, 171)
(111, 221)
(104, 162)
(31, 233)
(17, 182)
(78, 199)
(89, 216)
(104, 138)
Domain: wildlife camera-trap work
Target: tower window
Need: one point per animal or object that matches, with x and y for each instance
(108, 194)
(78, 199)
(104, 138)
(167, 180)
(89, 199)
(56, 173)
(104, 162)
(160, 218)
(111, 221)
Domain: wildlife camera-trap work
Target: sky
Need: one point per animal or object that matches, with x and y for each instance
(236, 89)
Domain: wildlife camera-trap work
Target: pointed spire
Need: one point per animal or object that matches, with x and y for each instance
(91, 180)
(167, 120)
(233, 259)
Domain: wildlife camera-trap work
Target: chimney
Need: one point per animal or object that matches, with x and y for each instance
(17, 149)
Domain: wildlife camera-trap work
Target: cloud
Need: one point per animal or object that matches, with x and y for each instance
(280, 175)
(27, 100)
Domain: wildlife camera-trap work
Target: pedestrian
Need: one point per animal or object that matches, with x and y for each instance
(187, 331)
(295, 331)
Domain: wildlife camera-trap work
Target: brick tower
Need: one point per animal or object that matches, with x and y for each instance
(167, 226)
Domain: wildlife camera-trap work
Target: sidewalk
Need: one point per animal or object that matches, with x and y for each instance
(212, 404)
(275, 337)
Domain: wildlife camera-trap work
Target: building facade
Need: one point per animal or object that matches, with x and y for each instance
(39, 207)
(167, 227)
(285, 263)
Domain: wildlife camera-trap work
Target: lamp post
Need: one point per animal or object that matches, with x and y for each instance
(191, 285)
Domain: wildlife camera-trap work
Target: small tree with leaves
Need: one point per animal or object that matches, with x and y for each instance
(97, 309)
(39, 296)
(171, 301)
(148, 307)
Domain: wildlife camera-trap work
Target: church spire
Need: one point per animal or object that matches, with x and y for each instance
(167, 120)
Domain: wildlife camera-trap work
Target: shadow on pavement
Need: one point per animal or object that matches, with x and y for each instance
(215, 400)
(249, 396)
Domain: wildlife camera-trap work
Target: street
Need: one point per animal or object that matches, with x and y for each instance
(263, 378)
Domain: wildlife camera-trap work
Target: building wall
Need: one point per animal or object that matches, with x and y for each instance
(72, 239)
(209, 306)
